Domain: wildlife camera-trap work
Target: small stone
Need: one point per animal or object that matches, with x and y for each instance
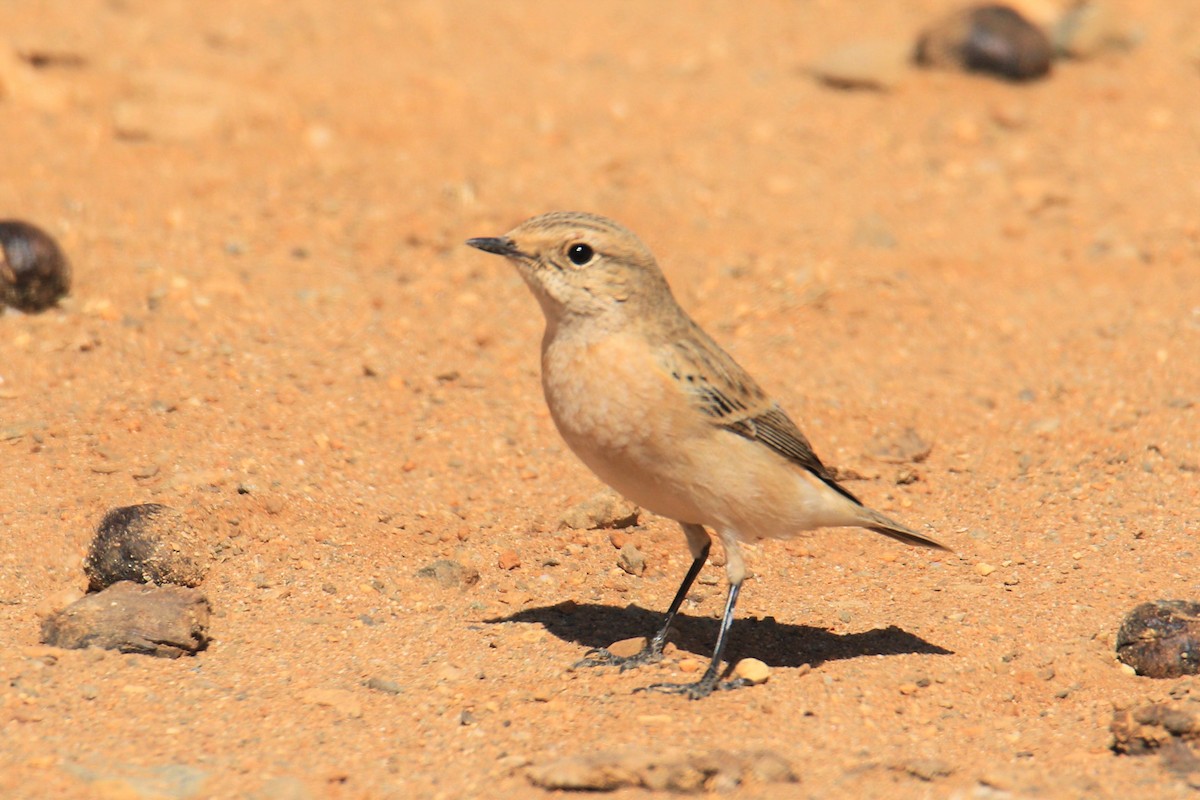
(1088, 28)
(450, 574)
(605, 509)
(927, 769)
(690, 665)
(509, 559)
(627, 647)
(1161, 639)
(984, 569)
(752, 671)
(165, 621)
(631, 560)
(989, 38)
(874, 65)
(770, 767)
(147, 543)
(383, 685)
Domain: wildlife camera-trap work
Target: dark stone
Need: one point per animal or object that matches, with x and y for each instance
(992, 39)
(1161, 639)
(147, 543)
(34, 273)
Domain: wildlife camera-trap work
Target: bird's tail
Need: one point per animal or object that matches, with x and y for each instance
(874, 521)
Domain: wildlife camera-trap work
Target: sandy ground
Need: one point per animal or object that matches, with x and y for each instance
(275, 326)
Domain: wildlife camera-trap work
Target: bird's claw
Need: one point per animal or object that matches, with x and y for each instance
(694, 691)
(602, 657)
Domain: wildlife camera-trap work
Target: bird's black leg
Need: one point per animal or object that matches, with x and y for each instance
(709, 680)
(700, 543)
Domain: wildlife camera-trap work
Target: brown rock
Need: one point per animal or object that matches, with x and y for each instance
(165, 621)
(147, 543)
(752, 671)
(509, 559)
(627, 647)
(1161, 639)
(605, 509)
(631, 560)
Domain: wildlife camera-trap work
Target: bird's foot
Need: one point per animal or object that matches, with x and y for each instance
(701, 688)
(601, 657)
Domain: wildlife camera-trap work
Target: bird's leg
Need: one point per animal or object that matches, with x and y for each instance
(699, 542)
(708, 681)
(735, 568)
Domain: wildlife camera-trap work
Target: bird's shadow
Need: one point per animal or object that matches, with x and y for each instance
(775, 643)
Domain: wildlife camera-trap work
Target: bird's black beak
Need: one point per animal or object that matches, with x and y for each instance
(499, 245)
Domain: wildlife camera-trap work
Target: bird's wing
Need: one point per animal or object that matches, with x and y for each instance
(722, 390)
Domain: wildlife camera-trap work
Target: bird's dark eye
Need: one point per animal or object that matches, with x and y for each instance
(580, 254)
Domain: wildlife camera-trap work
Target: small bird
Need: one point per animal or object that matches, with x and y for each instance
(653, 406)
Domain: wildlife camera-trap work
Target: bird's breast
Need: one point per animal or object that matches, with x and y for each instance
(599, 392)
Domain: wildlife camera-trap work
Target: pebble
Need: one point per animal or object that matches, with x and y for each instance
(874, 65)
(148, 543)
(690, 665)
(605, 509)
(450, 574)
(928, 769)
(164, 621)
(992, 39)
(632, 560)
(627, 647)
(1087, 29)
(509, 559)
(984, 569)
(752, 671)
(383, 685)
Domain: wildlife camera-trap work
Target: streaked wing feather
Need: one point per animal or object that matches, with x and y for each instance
(777, 431)
(724, 391)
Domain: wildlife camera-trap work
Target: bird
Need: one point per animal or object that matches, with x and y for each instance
(654, 407)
